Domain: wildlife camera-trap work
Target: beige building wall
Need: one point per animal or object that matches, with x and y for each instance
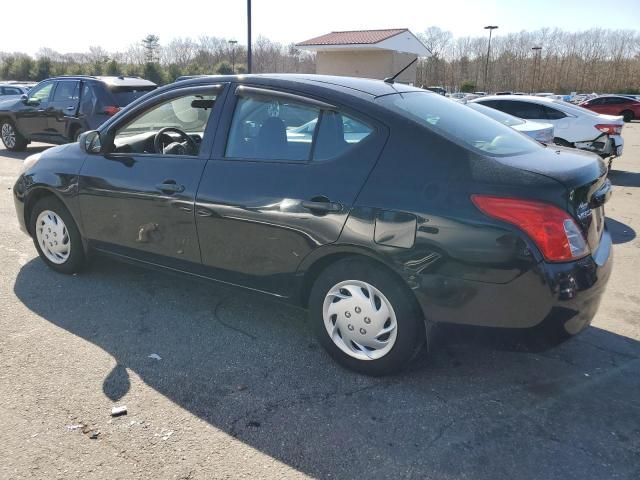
(366, 63)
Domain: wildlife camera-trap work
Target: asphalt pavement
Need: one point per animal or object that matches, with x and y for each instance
(236, 386)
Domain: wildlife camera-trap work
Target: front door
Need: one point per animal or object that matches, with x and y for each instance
(284, 175)
(137, 198)
(32, 115)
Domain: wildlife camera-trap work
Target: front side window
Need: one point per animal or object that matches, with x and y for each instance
(174, 127)
(12, 91)
(41, 93)
(459, 123)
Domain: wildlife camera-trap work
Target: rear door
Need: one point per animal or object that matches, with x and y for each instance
(64, 105)
(276, 189)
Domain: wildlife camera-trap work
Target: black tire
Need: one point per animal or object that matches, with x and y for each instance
(77, 133)
(627, 115)
(76, 259)
(411, 333)
(15, 143)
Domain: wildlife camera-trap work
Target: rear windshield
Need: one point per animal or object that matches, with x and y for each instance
(459, 123)
(504, 118)
(125, 95)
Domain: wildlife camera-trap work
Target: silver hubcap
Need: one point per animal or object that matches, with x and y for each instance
(360, 320)
(8, 135)
(53, 237)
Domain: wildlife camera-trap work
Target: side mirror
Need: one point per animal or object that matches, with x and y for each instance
(24, 98)
(90, 141)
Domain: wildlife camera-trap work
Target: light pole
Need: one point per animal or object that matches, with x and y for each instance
(536, 53)
(233, 55)
(248, 36)
(491, 28)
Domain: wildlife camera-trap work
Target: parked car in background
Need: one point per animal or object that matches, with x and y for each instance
(503, 93)
(11, 90)
(439, 90)
(59, 109)
(574, 126)
(542, 132)
(434, 214)
(545, 94)
(457, 96)
(628, 108)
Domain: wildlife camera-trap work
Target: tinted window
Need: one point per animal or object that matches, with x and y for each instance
(526, 110)
(272, 128)
(42, 92)
(459, 123)
(66, 91)
(596, 101)
(12, 91)
(504, 118)
(337, 134)
(552, 113)
(616, 100)
(123, 96)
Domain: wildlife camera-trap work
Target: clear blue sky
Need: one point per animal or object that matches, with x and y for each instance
(122, 22)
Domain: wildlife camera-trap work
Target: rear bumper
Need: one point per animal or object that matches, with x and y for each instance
(561, 293)
(604, 145)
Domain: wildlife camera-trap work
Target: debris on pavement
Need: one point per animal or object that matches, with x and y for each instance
(94, 434)
(71, 428)
(155, 356)
(117, 411)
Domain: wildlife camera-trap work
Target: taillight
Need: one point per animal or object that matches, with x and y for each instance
(553, 230)
(609, 129)
(111, 110)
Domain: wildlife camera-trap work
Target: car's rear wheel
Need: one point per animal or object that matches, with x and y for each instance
(56, 236)
(628, 115)
(365, 318)
(11, 139)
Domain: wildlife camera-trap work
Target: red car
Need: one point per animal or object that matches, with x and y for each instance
(627, 107)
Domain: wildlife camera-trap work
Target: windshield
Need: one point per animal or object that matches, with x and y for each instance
(504, 118)
(459, 123)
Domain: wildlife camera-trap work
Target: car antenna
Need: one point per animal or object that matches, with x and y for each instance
(391, 80)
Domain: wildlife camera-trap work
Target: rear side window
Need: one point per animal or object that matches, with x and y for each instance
(272, 129)
(552, 113)
(123, 96)
(66, 91)
(337, 134)
(459, 123)
(12, 91)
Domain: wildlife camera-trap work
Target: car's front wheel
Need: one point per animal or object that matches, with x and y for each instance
(11, 139)
(56, 236)
(365, 318)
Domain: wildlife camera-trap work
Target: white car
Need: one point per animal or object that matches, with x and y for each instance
(574, 126)
(542, 132)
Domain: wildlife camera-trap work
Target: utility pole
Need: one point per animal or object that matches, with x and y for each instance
(248, 36)
(491, 28)
(233, 55)
(537, 52)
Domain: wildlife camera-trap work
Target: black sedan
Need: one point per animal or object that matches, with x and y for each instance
(430, 213)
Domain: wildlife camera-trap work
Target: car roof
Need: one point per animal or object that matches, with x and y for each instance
(110, 80)
(366, 86)
(519, 98)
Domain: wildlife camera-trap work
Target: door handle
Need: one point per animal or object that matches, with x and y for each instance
(170, 186)
(322, 206)
(71, 108)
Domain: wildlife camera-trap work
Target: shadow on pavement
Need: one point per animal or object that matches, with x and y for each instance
(620, 232)
(22, 155)
(622, 178)
(480, 406)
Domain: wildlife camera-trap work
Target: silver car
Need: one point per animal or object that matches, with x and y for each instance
(542, 132)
